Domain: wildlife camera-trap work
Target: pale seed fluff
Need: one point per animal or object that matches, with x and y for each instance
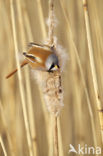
(54, 21)
(51, 87)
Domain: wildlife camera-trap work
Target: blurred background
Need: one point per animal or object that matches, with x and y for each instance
(79, 121)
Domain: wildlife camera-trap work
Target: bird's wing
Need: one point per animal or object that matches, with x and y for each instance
(32, 58)
(32, 44)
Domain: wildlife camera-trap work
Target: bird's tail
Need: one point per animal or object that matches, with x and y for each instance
(14, 71)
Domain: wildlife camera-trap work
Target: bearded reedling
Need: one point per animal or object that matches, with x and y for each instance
(39, 57)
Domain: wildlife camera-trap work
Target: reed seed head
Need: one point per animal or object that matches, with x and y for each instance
(51, 86)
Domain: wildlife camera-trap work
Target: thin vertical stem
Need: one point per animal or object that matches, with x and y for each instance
(51, 22)
(4, 119)
(28, 87)
(82, 73)
(42, 20)
(3, 146)
(51, 43)
(92, 65)
(56, 150)
(20, 80)
(60, 141)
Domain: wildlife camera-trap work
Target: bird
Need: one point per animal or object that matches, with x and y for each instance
(39, 57)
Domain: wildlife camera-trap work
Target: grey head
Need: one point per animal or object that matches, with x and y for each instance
(52, 63)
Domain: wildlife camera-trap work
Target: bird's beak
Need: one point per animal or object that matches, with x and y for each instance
(57, 66)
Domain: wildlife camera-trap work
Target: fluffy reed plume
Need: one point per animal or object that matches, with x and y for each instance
(51, 83)
(51, 87)
(53, 95)
(92, 65)
(20, 79)
(52, 90)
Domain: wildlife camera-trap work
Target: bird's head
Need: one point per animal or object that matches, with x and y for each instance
(52, 63)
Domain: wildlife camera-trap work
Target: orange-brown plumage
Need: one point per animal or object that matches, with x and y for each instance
(36, 57)
(41, 55)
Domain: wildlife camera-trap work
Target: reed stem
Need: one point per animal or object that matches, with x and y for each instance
(3, 146)
(51, 22)
(4, 119)
(56, 150)
(51, 43)
(20, 79)
(92, 64)
(27, 76)
(81, 72)
(42, 20)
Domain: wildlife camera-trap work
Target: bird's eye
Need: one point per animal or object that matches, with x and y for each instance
(56, 67)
